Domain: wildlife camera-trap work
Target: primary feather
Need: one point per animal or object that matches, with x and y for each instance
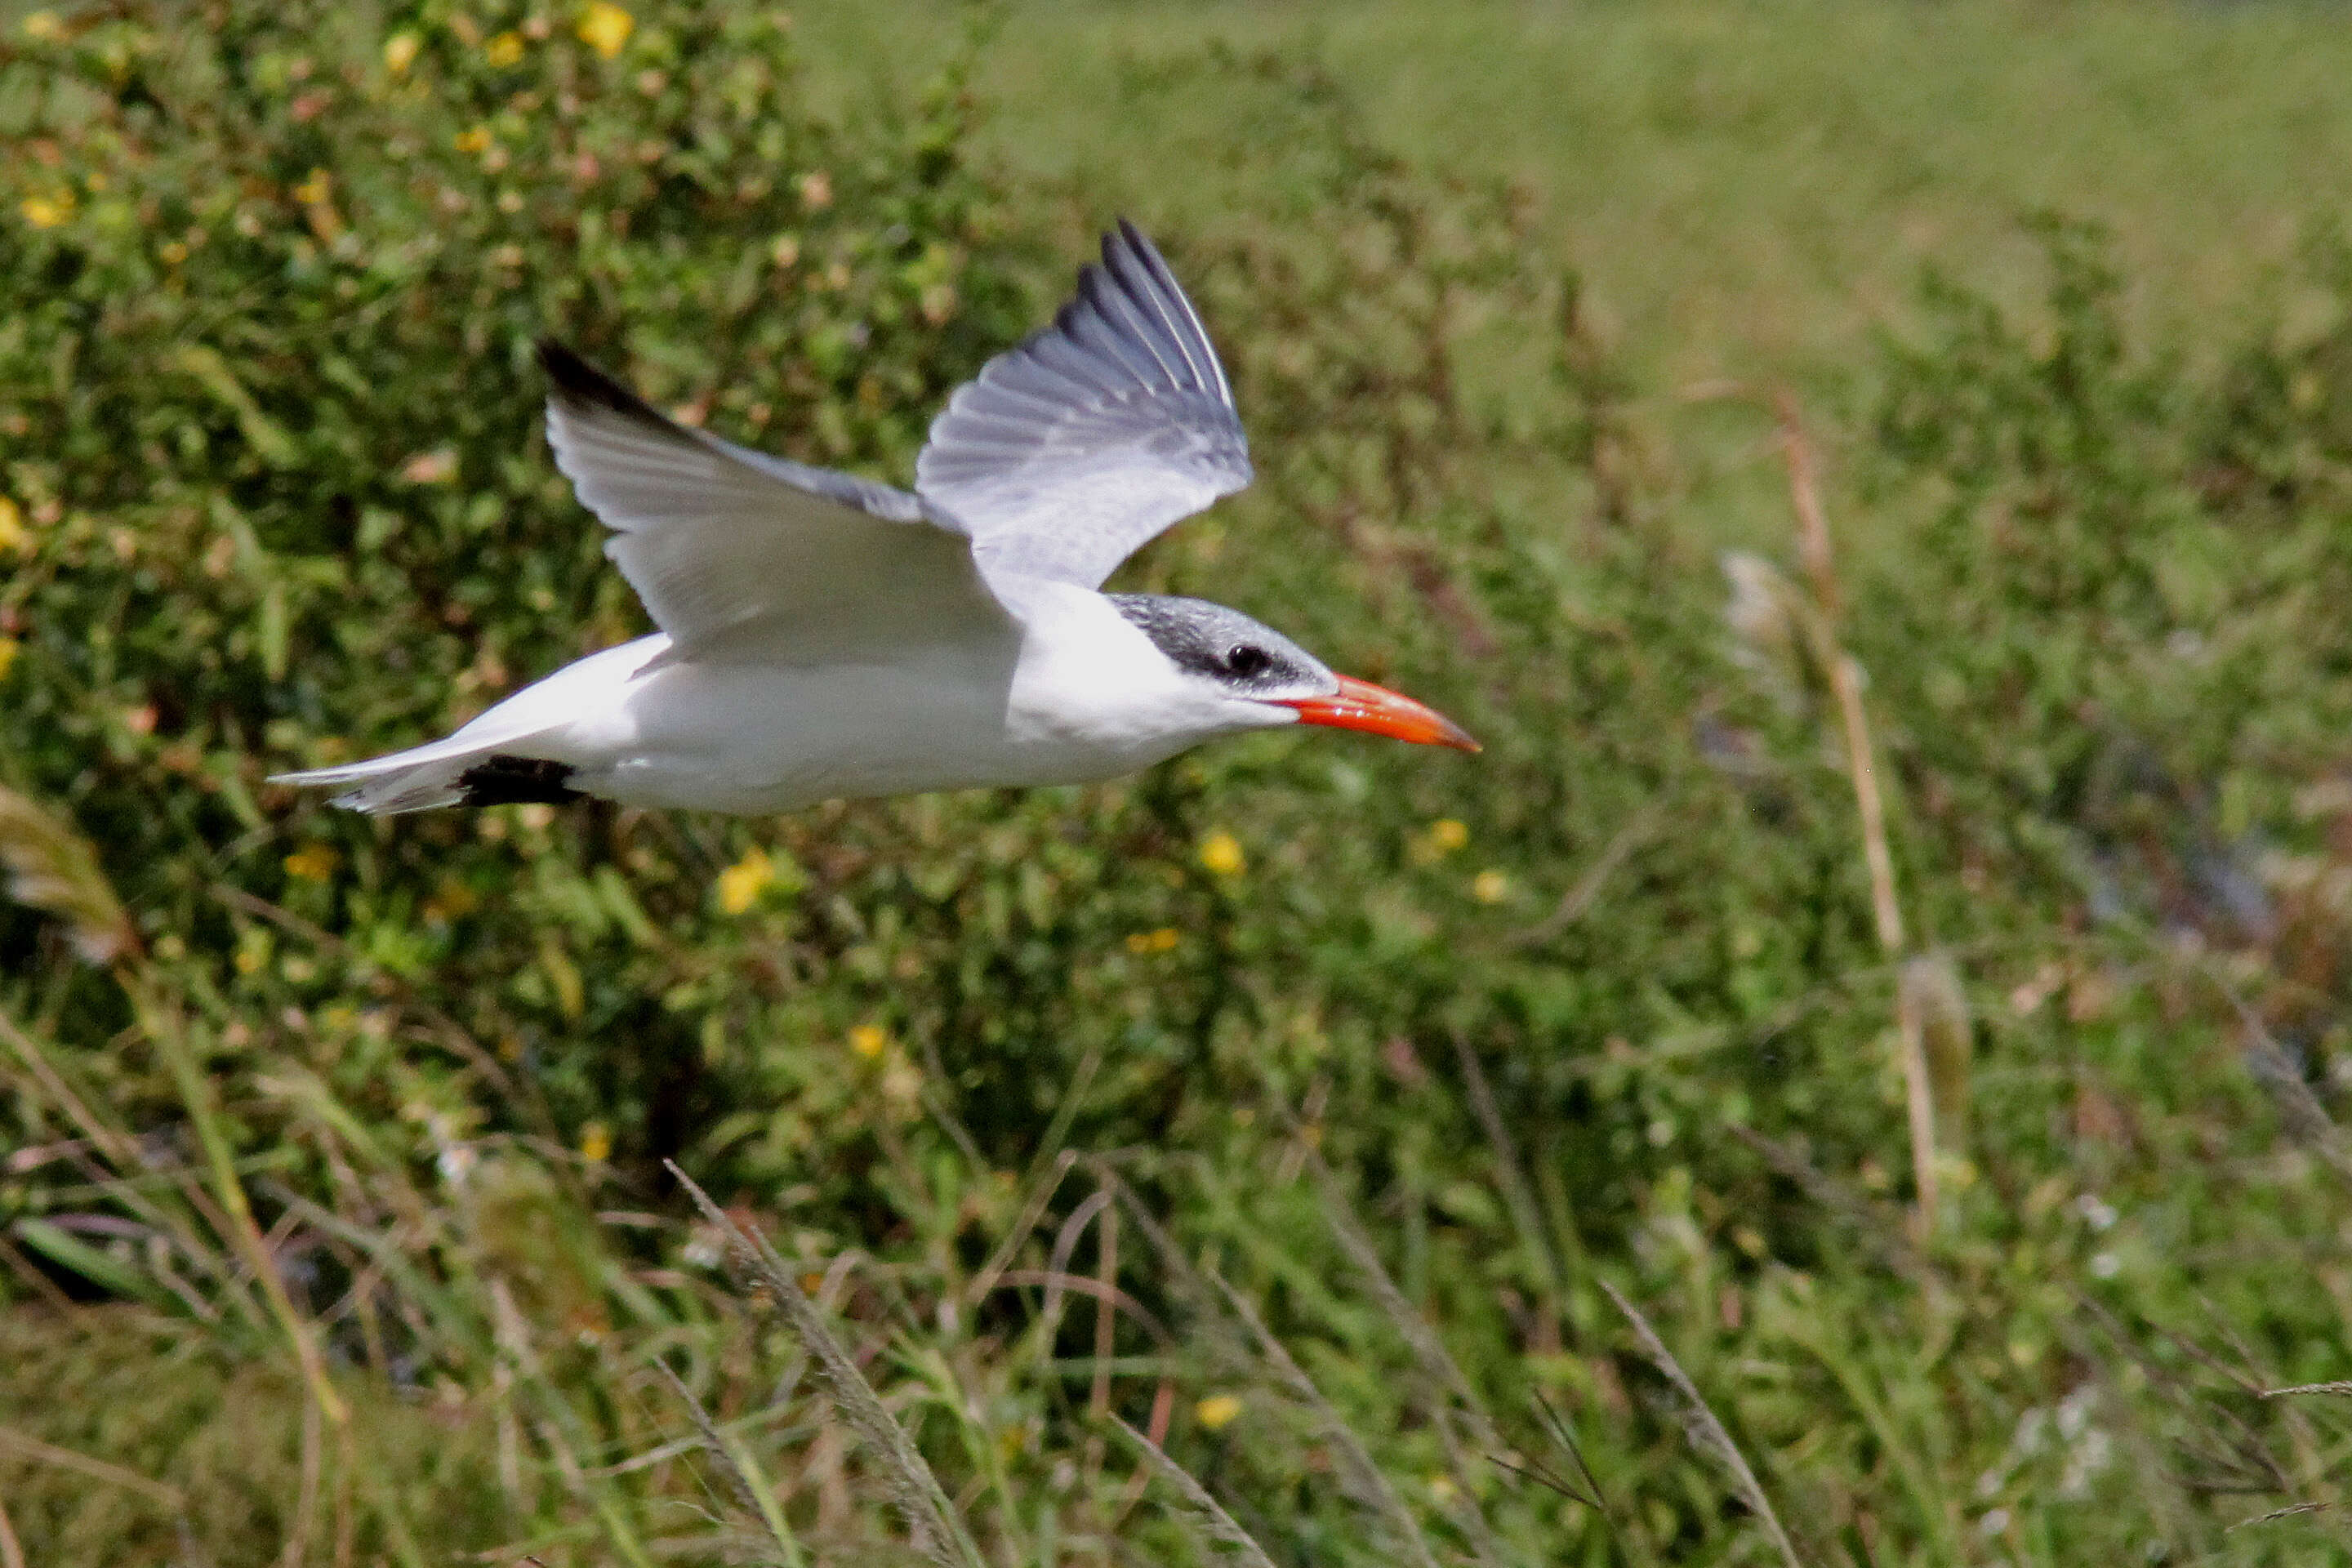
(1067, 454)
(743, 557)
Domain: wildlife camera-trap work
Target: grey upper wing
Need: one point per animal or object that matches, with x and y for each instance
(742, 556)
(1067, 453)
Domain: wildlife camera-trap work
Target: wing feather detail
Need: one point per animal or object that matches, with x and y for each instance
(744, 557)
(1065, 455)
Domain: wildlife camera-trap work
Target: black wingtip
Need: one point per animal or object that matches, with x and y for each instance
(577, 379)
(1135, 237)
(579, 384)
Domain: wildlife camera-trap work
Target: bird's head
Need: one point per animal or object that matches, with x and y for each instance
(1251, 676)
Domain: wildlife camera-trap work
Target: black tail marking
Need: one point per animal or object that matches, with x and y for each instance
(518, 781)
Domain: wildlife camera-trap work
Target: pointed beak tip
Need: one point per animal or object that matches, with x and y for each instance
(1377, 710)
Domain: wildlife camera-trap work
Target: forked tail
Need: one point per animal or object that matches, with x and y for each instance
(442, 775)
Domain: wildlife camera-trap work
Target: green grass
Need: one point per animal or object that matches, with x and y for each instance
(1750, 189)
(1504, 1161)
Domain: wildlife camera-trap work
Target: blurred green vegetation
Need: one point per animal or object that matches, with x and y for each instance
(1298, 1102)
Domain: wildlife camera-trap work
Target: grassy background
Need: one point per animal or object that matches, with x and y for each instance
(1300, 1103)
(1750, 189)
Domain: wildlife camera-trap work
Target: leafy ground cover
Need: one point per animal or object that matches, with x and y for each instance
(1849, 1075)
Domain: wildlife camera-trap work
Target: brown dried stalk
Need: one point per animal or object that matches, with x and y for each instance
(1845, 675)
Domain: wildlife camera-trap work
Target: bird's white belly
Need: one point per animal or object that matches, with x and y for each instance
(755, 738)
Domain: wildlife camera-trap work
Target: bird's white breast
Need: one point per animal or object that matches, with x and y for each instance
(1076, 693)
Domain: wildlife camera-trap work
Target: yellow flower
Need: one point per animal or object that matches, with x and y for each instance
(504, 50)
(605, 27)
(400, 52)
(868, 1040)
(1490, 887)
(1442, 1487)
(312, 863)
(317, 188)
(8, 650)
(12, 526)
(595, 1143)
(1444, 838)
(1217, 1411)
(1164, 940)
(740, 885)
(48, 212)
(478, 140)
(172, 252)
(1220, 853)
(44, 27)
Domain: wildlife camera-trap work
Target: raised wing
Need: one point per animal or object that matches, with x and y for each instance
(743, 557)
(1064, 455)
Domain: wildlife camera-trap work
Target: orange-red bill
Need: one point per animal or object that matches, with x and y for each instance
(1377, 710)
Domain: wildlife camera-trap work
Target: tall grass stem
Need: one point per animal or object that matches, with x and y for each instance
(1708, 1432)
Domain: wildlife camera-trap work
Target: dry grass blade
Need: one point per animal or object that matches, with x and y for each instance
(1706, 1431)
(1437, 1365)
(53, 868)
(1211, 1514)
(42, 1453)
(119, 1147)
(2235, 1456)
(1557, 1425)
(1365, 1481)
(166, 1027)
(1436, 1361)
(1846, 684)
(2291, 1511)
(1094, 1290)
(1041, 1193)
(1065, 1242)
(1525, 1213)
(930, 1518)
(1210, 1332)
(1427, 1347)
(2300, 1114)
(2339, 1388)
(12, 1550)
(749, 1489)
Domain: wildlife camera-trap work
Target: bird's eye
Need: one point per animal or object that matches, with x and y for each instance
(1245, 660)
